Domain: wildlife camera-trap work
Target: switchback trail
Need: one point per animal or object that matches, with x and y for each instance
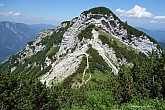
(84, 72)
(77, 84)
(83, 80)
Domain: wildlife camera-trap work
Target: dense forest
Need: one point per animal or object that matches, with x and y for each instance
(140, 87)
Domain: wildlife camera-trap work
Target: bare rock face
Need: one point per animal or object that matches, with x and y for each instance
(61, 69)
(72, 49)
(36, 46)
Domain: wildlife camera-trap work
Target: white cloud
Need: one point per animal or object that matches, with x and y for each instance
(159, 17)
(10, 14)
(120, 11)
(153, 21)
(138, 12)
(1, 5)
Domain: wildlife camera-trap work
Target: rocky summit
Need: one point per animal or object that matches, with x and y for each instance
(58, 53)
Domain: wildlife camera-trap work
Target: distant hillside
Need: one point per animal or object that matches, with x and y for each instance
(14, 36)
(162, 45)
(40, 27)
(157, 34)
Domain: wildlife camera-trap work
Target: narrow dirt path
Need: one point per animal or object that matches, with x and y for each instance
(83, 80)
(77, 85)
(84, 72)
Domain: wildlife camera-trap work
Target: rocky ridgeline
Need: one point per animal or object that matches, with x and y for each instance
(35, 46)
(68, 65)
(143, 44)
(72, 49)
(109, 24)
(70, 39)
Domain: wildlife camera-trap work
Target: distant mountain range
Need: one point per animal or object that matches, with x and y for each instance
(158, 34)
(14, 36)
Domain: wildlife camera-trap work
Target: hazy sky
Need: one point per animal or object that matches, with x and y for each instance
(141, 13)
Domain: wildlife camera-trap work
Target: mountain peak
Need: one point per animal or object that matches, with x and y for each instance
(98, 10)
(97, 33)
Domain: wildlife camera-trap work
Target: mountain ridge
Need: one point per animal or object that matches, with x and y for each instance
(105, 33)
(89, 62)
(14, 36)
(157, 34)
